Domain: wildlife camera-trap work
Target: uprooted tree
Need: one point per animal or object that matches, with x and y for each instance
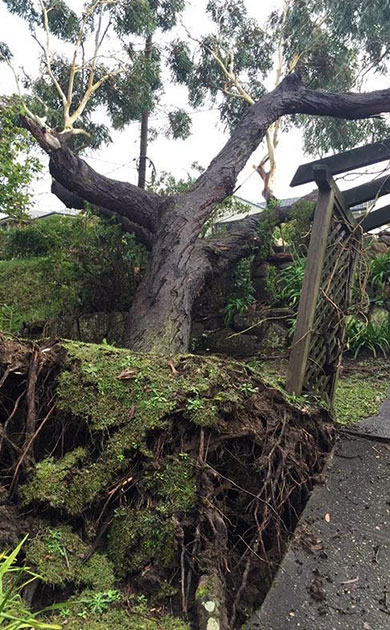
(180, 262)
(160, 317)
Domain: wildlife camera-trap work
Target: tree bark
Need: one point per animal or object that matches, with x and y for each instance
(160, 318)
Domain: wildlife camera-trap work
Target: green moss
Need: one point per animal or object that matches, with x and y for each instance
(175, 483)
(139, 618)
(120, 399)
(139, 537)
(57, 553)
(91, 387)
(49, 482)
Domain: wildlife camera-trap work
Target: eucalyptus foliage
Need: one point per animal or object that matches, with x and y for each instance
(18, 164)
(333, 45)
(135, 83)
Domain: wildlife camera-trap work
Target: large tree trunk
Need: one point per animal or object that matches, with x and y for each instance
(160, 318)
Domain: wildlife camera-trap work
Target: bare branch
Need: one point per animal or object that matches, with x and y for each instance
(46, 50)
(87, 95)
(229, 73)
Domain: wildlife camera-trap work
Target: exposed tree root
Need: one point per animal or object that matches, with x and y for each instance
(226, 493)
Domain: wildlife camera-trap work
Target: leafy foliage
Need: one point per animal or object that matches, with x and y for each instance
(363, 335)
(332, 45)
(130, 82)
(289, 284)
(380, 271)
(296, 232)
(241, 296)
(18, 165)
(337, 50)
(180, 124)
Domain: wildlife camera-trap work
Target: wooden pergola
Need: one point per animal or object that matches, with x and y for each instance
(334, 249)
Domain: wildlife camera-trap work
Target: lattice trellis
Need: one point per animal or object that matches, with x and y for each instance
(319, 336)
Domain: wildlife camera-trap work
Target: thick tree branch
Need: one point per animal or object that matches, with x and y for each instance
(139, 206)
(218, 181)
(350, 105)
(214, 256)
(290, 97)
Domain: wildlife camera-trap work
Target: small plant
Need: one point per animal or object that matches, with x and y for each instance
(242, 293)
(380, 271)
(235, 305)
(248, 389)
(289, 284)
(99, 602)
(10, 320)
(366, 336)
(14, 613)
(54, 542)
(194, 404)
(156, 400)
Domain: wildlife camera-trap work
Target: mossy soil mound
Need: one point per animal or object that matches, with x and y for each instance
(158, 492)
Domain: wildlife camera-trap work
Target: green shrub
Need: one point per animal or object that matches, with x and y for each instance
(296, 232)
(66, 265)
(29, 291)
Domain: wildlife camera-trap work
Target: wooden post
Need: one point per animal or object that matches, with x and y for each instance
(310, 288)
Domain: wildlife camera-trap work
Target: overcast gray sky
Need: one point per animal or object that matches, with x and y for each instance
(118, 159)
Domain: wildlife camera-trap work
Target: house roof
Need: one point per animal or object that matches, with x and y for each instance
(37, 214)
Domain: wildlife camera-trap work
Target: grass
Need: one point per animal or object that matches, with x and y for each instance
(361, 389)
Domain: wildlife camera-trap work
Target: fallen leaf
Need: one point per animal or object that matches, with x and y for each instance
(132, 411)
(327, 517)
(127, 374)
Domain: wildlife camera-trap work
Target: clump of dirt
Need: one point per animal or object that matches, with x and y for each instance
(166, 481)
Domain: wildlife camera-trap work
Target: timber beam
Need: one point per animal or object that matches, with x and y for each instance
(367, 192)
(375, 219)
(346, 161)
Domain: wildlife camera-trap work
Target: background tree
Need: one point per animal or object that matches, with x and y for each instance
(332, 45)
(180, 262)
(18, 163)
(95, 60)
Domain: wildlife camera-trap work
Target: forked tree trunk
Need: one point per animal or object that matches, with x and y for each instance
(160, 318)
